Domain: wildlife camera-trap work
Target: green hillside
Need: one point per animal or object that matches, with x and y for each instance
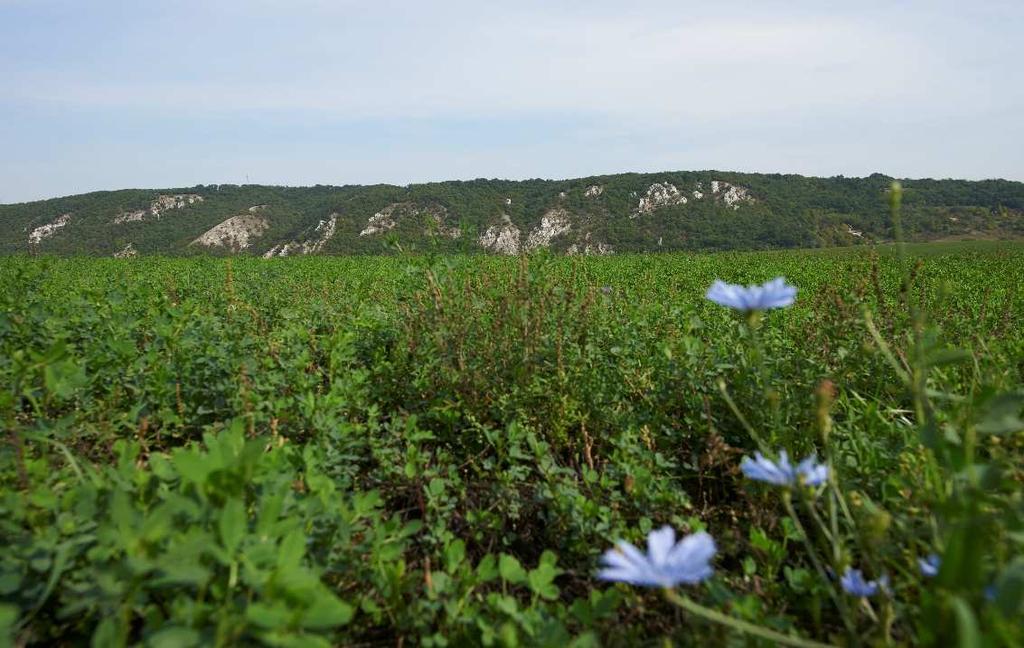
(686, 210)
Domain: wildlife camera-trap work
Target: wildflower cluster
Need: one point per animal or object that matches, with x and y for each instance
(668, 563)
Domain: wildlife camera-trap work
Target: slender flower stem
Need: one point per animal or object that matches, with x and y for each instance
(787, 500)
(753, 323)
(883, 346)
(739, 415)
(740, 625)
(809, 505)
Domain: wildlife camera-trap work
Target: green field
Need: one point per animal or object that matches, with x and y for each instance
(371, 451)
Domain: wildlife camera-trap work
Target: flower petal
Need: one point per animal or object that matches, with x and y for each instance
(659, 543)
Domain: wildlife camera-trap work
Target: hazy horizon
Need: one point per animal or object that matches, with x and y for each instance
(114, 95)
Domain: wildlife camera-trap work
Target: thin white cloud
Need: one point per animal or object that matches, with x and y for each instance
(649, 66)
(920, 87)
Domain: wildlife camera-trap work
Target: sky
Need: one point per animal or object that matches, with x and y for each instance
(108, 94)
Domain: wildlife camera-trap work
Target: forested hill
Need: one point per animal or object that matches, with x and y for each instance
(704, 210)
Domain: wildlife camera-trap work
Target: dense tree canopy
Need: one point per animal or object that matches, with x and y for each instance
(776, 211)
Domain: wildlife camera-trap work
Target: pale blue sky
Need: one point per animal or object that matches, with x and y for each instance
(106, 94)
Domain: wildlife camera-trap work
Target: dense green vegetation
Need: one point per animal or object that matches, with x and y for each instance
(437, 450)
(784, 211)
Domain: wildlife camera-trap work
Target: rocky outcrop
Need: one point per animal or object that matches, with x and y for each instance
(388, 218)
(236, 233)
(313, 243)
(589, 247)
(501, 239)
(661, 195)
(162, 204)
(553, 223)
(658, 195)
(127, 252)
(49, 229)
(593, 191)
(131, 217)
(380, 222)
(732, 195)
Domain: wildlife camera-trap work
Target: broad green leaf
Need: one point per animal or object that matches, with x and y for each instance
(283, 639)
(291, 550)
(947, 356)
(269, 615)
(968, 635)
(510, 569)
(108, 634)
(1002, 414)
(454, 553)
(327, 611)
(8, 619)
(191, 465)
(123, 516)
(541, 580)
(174, 637)
(63, 378)
(487, 568)
(233, 525)
(1010, 589)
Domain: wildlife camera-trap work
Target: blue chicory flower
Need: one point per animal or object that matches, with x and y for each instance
(771, 294)
(854, 584)
(667, 562)
(989, 593)
(929, 565)
(782, 473)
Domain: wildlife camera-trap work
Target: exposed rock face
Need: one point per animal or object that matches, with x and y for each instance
(380, 222)
(588, 247)
(131, 217)
(503, 239)
(127, 252)
(731, 194)
(552, 224)
(667, 195)
(593, 191)
(387, 219)
(659, 195)
(322, 233)
(161, 204)
(236, 233)
(255, 209)
(853, 232)
(49, 229)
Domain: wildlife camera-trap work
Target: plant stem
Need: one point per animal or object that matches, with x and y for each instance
(740, 625)
(739, 415)
(816, 561)
(753, 323)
